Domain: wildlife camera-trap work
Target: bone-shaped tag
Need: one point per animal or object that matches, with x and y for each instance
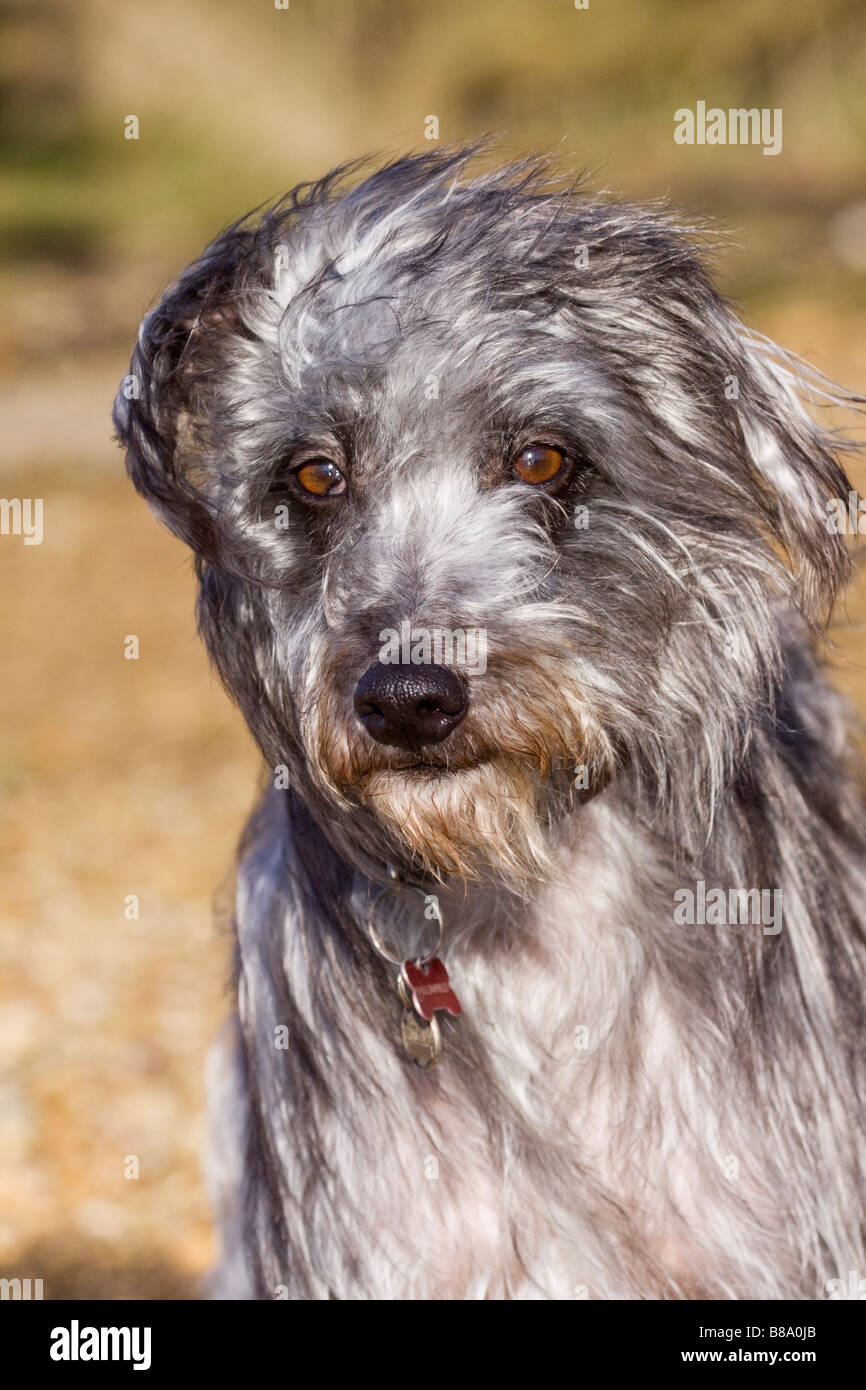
(430, 988)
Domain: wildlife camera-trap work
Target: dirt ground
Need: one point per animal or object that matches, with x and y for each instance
(119, 777)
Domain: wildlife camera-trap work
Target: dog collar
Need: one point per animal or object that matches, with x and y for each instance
(397, 915)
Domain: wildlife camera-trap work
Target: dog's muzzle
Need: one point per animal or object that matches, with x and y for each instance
(410, 706)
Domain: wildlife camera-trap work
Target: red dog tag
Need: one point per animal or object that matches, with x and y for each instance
(430, 988)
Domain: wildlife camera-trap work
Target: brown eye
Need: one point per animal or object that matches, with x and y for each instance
(321, 478)
(538, 463)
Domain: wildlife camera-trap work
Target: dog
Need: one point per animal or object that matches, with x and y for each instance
(512, 549)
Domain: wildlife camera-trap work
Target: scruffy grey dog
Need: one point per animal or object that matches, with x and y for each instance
(440, 400)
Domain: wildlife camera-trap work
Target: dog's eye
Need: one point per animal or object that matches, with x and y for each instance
(321, 478)
(538, 463)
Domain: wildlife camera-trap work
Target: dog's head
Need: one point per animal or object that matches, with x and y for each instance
(492, 496)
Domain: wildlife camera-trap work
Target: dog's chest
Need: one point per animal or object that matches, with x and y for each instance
(594, 1137)
(570, 1142)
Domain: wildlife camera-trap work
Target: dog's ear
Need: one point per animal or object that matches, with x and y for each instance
(178, 349)
(795, 463)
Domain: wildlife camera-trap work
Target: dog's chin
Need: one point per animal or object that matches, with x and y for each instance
(486, 818)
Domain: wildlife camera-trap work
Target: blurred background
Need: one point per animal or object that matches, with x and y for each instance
(132, 777)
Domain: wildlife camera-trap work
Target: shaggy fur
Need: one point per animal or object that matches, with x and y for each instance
(628, 1107)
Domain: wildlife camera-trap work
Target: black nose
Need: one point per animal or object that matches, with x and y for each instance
(408, 706)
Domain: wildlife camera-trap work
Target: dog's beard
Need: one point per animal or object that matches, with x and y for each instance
(487, 802)
(493, 817)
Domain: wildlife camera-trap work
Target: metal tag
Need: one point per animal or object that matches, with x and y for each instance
(423, 1042)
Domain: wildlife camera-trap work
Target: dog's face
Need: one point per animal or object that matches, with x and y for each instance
(493, 501)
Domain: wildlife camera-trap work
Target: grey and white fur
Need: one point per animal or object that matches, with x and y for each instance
(628, 1107)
